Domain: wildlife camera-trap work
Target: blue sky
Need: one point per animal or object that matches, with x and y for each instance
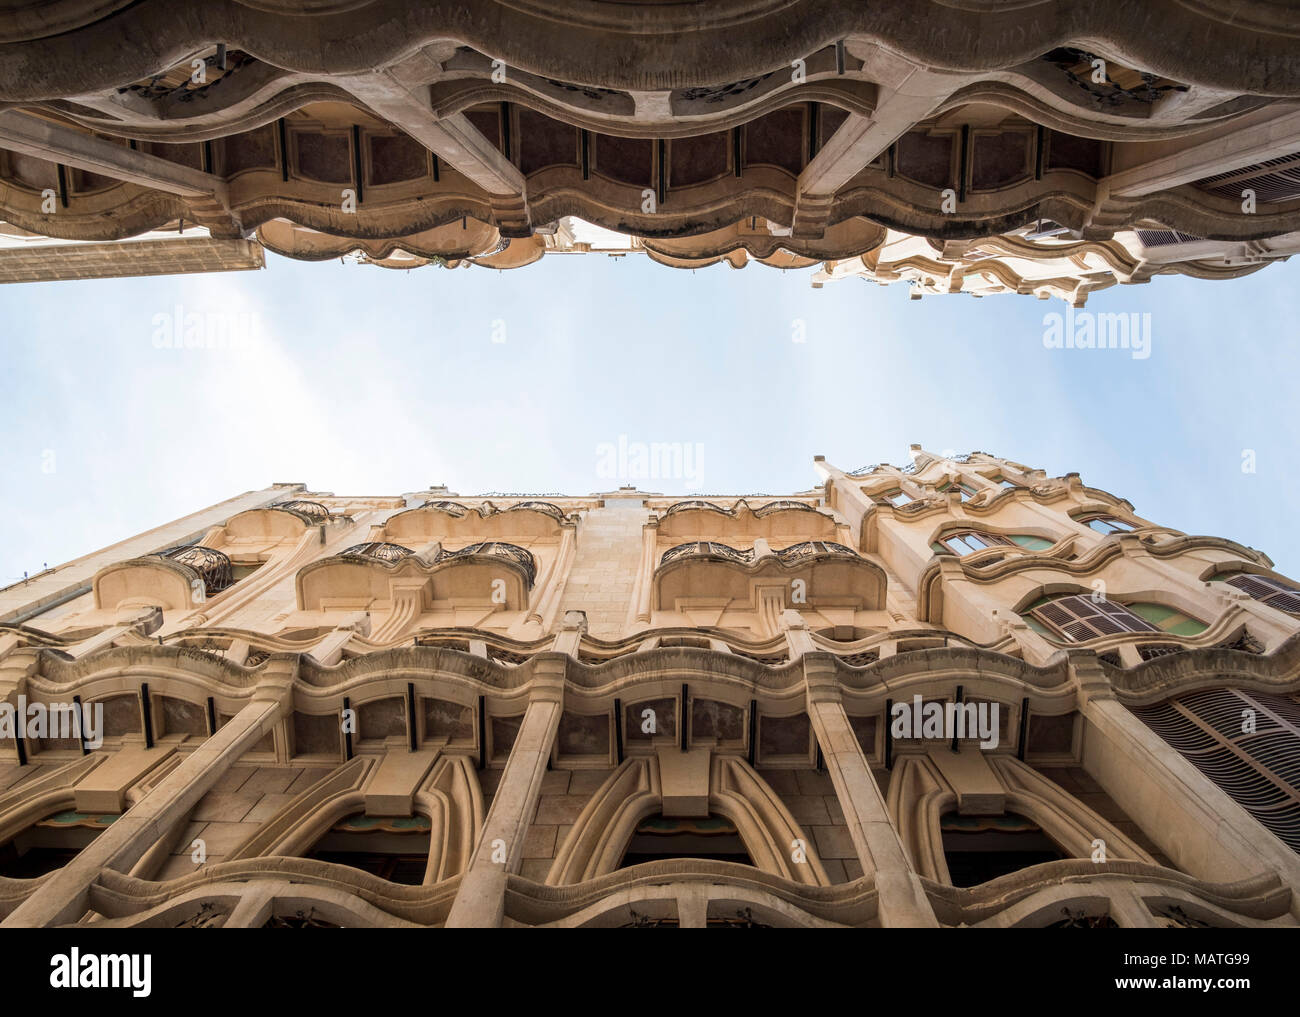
(365, 381)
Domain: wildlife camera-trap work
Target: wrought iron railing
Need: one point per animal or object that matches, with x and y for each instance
(450, 507)
(695, 504)
(544, 507)
(784, 505)
(208, 564)
(809, 549)
(497, 549)
(311, 511)
(378, 550)
(707, 549)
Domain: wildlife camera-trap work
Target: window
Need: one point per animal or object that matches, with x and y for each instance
(1031, 543)
(1002, 481)
(1266, 590)
(980, 848)
(894, 496)
(1104, 524)
(1168, 619)
(658, 838)
(967, 490)
(1255, 767)
(963, 542)
(1080, 617)
(50, 843)
(396, 849)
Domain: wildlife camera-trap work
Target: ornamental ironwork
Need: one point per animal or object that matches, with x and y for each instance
(784, 505)
(592, 92)
(719, 93)
(497, 549)
(449, 507)
(311, 511)
(217, 67)
(209, 565)
(707, 549)
(544, 507)
(862, 471)
(378, 550)
(697, 504)
(813, 549)
(1074, 61)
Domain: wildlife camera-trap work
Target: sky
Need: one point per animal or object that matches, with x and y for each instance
(360, 380)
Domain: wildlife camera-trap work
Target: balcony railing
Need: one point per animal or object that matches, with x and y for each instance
(810, 549)
(208, 564)
(310, 511)
(378, 551)
(793, 554)
(498, 549)
(707, 549)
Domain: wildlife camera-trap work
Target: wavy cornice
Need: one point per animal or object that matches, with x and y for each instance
(537, 903)
(206, 673)
(857, 216)
(116, 894)
(947, 663)
(1261, 896)
(1081, 121)
(601, 45)
(1206, 667)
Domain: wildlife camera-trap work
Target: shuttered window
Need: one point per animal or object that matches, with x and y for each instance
(1267, 591)
(1257, 764)
(1079, 618)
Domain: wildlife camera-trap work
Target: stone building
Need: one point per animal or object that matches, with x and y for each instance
(957, 693)
(1047, 148)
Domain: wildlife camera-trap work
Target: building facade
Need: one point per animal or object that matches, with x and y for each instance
(957, 693)
(1039, 147)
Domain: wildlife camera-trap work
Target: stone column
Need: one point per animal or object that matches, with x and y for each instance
(65, 897)
(902, 900)
(481, 900)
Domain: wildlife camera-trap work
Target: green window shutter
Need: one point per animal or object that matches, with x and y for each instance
(1031, 543)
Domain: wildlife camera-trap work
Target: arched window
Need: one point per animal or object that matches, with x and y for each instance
(962, 542)
(1101, 522)
(1266, 590)
(396, 849)
(50, 843)
(658, 837)
(1248, 743)
(980, 848)
(1080, 617)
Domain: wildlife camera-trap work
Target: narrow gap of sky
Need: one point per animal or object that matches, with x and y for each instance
(358, 380)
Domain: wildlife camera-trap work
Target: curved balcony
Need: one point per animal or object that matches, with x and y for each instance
(169, 580)
(210, 565)
(310, 511)
(810, 549)
(450, 507)
(442, 519)
(377, 550)
(496, 549)
(711, 576)
(707, 549)
(783, 520)
(696, 504)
